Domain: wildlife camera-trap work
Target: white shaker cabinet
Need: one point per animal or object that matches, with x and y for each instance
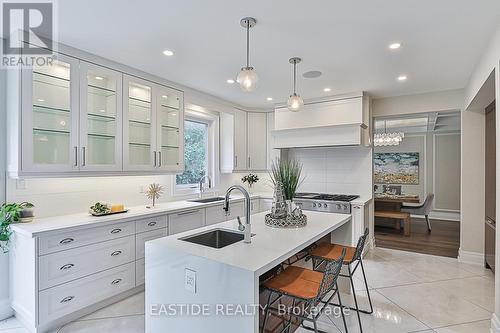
(240, 141)
(187, 220)
(257, 141)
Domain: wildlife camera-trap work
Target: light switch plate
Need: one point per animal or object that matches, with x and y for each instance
(190, 280)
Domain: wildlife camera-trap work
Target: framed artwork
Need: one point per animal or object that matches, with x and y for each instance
(396, 168)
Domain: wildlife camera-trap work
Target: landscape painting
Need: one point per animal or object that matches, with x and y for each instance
(396, 168)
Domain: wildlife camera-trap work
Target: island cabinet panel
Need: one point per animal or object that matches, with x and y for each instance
(72, 296)
(75, 238)
(185, 221)
(64, 266)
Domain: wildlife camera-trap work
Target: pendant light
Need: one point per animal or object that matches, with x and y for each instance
(295, 102)
(247, 77)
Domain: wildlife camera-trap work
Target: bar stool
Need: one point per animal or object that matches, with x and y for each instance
(325, 253)
(307, 289)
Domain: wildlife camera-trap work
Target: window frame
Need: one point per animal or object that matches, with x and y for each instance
(212, 153)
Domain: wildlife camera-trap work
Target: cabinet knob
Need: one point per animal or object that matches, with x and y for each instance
(116, 253)
(66, 241)
(67, 299)
(66, 267)
(116, 231)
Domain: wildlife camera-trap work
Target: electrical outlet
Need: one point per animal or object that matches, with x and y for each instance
(190, 280)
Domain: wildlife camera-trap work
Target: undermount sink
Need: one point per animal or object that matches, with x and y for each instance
(206, 200)
(217, 238)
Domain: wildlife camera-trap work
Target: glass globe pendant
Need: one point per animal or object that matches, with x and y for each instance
(247, 78)
(295, 102)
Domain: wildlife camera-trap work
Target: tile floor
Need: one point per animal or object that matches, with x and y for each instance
(410, 293)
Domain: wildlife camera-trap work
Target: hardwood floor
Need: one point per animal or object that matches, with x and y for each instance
(444, 240)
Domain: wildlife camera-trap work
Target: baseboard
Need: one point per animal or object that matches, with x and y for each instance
(5, 309)
(495, 324)
(473, 258)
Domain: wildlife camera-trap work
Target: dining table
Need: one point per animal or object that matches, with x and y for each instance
(387, 203)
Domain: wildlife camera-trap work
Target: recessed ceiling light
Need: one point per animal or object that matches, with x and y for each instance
(99, 78)
(269, 98)
(327, 89)
(395, 46)
(102, 110)
(41, 100)
(168, 53)
(164, 96)
(402, 78)
(230, 81)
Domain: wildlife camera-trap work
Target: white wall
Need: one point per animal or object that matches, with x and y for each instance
(428, 102)
(343, 170)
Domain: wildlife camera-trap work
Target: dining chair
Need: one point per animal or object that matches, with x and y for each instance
(423, 209)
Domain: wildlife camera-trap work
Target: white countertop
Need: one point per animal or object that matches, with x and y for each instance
(361, 200)
(85, 220)
(269, 247)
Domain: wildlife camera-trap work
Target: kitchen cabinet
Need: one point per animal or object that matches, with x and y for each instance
(76, 118)
(49, 118)
(153, 128)
(186, 220)
(243, 142)
(257, 141)
(100, 118)
(240, 141)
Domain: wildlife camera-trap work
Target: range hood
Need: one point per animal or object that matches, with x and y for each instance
(334, 121)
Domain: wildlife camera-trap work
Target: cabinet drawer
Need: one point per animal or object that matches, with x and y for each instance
(140, 272)
(64, 266)
(71, 239)
(185, 221)
(64, 299)
(215, 214)
(151, 224)
(236, 209)
(142, 238)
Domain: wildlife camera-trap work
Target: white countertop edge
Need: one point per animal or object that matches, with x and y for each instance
(172, 243)
(45, 225)
(361, 201)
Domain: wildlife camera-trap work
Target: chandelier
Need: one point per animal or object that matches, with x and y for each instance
(388, 139)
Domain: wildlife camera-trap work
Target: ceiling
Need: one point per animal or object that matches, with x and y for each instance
(346, 40)
(420, 123)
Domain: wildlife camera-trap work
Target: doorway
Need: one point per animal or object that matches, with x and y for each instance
(417, 183)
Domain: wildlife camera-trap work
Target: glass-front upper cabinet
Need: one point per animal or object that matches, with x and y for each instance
(138, 119)
(170, 136)
(50, 116)
(100, 118)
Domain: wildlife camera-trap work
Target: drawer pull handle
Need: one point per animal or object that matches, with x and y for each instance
(116, 253)
(67, 266)
(116, 281)
(115, 231)
(151, 224)
(67, 299)
(66, 241)
(187, 213)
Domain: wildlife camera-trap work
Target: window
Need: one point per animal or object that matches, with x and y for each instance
(195, 153)
(201, 156)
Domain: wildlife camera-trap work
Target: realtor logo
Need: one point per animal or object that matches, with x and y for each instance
(28, 32)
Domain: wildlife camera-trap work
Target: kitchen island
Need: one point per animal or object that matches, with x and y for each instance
(196, 288)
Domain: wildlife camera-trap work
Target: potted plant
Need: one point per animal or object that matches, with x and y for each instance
(288, 173)
(250, 179)
(12, 213)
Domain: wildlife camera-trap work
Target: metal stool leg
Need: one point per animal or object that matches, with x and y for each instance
(341, 308)
(266, 313)
(355, 298)
(366, 285)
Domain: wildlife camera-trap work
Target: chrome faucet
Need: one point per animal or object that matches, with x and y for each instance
(247, 228)
(202, 181)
